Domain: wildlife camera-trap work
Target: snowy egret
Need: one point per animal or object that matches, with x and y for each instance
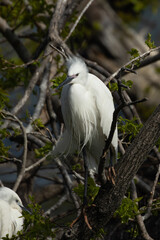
(11, 219)
(87, 108)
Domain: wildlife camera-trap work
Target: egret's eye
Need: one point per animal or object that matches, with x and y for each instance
(77, 74)
(17, 201)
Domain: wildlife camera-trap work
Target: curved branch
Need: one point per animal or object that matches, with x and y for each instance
(22, 170)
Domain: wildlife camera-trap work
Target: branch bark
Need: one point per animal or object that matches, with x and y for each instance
(110, 196)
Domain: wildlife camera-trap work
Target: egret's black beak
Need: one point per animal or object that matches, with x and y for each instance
(25, 209)
(67, 80)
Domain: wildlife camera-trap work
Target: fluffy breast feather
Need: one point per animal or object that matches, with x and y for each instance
(79, 112)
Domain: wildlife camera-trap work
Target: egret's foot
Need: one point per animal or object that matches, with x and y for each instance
(111, 174)
(86, 218)
(74, 221)
(84, 215)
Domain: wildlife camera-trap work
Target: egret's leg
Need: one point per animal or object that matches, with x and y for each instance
(85, 191)
(85, 176)
(111, 174)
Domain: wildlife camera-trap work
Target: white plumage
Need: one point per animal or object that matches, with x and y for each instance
(11, 219)
(87, 108)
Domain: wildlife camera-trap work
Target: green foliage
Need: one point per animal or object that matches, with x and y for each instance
(16, 131)
(92, 191)
(3, 150)
(36, 226)
(57, 81)
(4, 100)
(82, 33)
(134, 231)
(68, 24)
(149, 43)
(128, 209)
(128, 127)
(38, 123)
(10, 77)
(156, 206)
(4, 133)
(21, 14)
(76, 167)
(134, 54)
(114, 86)
(40, 152)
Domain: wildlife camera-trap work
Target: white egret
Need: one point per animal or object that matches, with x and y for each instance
(87, 108)
(11, 219)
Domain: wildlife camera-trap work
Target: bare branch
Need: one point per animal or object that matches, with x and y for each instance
(40, 161)
(78, 19)
(11, 159)
(139, 216)
(54, 207)
(22, 170)
(14, 40)
(150, 201)
(68, 182)
(142, 56)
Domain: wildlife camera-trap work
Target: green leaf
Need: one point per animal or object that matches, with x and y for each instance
(113, 86)
(128, 209)
(58, 80)
(40, 152)
(92, 190)
(38, 123)
(134, 53)
(149, 43)
(128, 127)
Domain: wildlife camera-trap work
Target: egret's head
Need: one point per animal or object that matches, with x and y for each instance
(77, 71)
(11, 198)
(77, 68)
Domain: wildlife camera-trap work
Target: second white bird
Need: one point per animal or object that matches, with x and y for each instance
(11, 219)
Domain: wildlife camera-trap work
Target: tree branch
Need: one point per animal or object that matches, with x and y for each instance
(22, 170)
(14, 40)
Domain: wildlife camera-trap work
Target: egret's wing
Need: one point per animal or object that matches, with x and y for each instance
(105, 105)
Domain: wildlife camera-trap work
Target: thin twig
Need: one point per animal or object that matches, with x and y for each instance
(78, 19)
(68, 182)
(24, 65)
(150, 201)
(139, 216)
(11, 159)
(22, 170)
(142, 56)
(54, 207)
(40, 161)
